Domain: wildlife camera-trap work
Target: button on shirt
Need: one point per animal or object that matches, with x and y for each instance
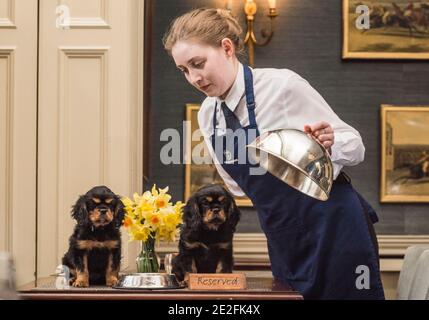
(284, 100)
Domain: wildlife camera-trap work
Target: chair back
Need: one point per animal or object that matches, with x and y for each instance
(408, 271)
(420, 285)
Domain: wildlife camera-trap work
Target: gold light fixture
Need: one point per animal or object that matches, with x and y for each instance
(250, 9)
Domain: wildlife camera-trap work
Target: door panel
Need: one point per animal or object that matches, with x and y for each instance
(18, 119)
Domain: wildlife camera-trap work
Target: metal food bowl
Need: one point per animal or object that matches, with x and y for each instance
(296, 158)
(148, 281)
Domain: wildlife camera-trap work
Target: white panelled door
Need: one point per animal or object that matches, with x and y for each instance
(90, 115)
(70, 119)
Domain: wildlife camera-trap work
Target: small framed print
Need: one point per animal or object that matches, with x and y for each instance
(404, 153)
(379, 29)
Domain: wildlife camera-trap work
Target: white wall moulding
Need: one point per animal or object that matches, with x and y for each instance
(250, 249)
(395, 246)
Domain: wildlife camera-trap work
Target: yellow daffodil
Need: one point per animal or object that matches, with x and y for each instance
(136, 198)
(152, 215)
(127, 202)
(162, 200)
(147, 196)
(163, 191)
(154, 191)
(146, 207)
(141, 233)
(127, 222)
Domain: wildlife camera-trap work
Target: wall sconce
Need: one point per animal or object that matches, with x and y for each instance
(250, 9)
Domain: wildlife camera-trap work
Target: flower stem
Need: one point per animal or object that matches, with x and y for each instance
(147, 261)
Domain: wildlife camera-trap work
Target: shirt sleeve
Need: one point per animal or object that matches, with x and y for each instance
(305, 106)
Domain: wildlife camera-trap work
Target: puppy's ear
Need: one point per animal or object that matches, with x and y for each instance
(234, 214)
(119, 212)
(79, 211)
(191, 214)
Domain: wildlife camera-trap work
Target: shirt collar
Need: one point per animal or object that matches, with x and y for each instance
(237, 90)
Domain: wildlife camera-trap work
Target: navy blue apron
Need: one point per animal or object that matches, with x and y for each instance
(323, 249)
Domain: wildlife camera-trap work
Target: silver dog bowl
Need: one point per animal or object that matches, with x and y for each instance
(297, 159)
(148, 281)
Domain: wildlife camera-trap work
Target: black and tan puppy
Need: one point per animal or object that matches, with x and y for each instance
(205, 246)
(94, 253)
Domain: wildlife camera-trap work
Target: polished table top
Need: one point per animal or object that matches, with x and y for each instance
(258, 288)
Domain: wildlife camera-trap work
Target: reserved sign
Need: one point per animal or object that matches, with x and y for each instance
(217, 281)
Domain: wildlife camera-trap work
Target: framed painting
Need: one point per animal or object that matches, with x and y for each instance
(201, 173)
(404, 154)
(381, 29)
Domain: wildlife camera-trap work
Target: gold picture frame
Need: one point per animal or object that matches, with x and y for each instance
(404, 154)
(197, 175)
(387, 37)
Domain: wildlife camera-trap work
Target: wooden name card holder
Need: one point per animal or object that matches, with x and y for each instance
(217, 281)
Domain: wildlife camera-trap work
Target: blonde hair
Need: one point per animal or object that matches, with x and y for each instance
(208, 25)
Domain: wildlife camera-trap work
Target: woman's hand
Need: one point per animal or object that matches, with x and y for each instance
(323, 132)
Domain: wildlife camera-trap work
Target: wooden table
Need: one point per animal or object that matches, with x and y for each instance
(258, 288)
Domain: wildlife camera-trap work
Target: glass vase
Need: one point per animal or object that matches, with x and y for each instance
(147, 261)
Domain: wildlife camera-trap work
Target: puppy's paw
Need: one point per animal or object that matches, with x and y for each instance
(185, 281)
(111, 281)
(81, 282)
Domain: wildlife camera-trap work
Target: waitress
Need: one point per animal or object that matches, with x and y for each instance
(325, 250)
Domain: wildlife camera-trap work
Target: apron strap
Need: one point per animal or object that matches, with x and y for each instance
(250, 101)
(250, 96)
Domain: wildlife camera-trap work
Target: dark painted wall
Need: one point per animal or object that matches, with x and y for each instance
(308, 41)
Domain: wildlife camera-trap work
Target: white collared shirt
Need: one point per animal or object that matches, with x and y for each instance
(284, 100)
